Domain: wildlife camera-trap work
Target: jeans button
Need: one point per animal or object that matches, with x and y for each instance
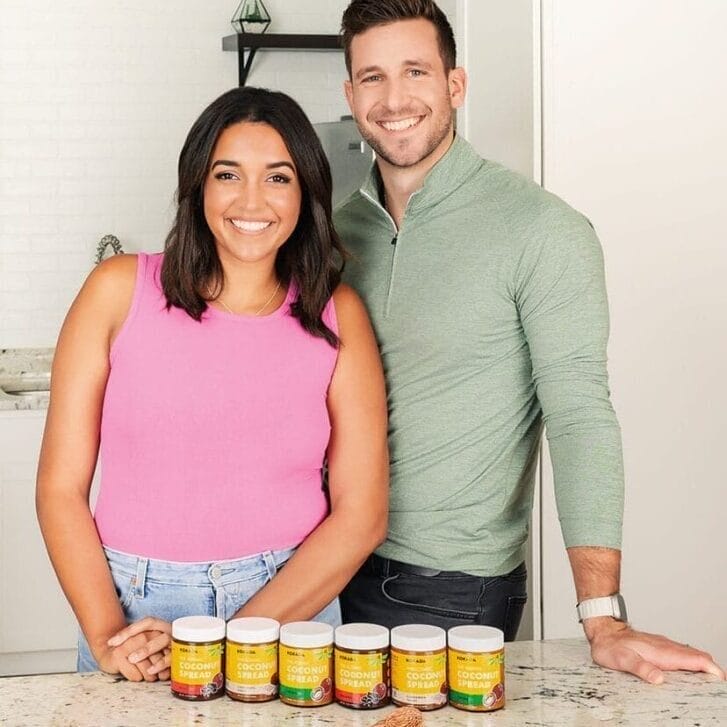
(216, 572)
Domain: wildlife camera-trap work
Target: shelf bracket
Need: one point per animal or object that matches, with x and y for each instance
(246, 45)
(244, 64)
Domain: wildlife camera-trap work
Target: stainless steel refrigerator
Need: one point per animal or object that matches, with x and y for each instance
(348, 154)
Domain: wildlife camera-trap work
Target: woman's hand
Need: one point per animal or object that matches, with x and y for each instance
(146, 646)
(114, 660)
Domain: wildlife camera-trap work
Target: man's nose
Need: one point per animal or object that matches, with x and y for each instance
(397, 95)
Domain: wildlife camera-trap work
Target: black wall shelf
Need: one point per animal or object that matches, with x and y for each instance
(251, 43)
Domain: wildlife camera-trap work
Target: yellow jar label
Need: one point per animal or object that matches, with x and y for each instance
(252, 669)
(418, 679)
(197, 669)
(361, 678)
(306, 675)
(477, 680)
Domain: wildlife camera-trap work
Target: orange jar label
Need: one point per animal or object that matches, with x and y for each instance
(197, 669)
(362, 678)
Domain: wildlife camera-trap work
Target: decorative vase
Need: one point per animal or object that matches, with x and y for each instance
(251, 16)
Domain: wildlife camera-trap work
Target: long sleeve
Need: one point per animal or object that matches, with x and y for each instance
(561, 296)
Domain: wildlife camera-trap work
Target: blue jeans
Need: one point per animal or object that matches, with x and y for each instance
(169, 590)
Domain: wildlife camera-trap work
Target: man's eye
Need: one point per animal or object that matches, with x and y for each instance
(368, 79)
(416, 72)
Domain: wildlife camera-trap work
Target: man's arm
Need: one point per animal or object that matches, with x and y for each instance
(559, 287)
(614, 644)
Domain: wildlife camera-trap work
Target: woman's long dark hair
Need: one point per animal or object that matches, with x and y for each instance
(312, 257)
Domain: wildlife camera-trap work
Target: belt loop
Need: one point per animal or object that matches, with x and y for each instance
(269, 561)
(140, 580)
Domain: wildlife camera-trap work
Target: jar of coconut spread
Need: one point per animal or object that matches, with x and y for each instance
(361, 656)
(197, 649)
(476, 667)
(251, 659)
(418, 666)
(306, 663)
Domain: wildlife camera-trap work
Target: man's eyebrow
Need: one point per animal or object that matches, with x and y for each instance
(419, 62)
(368, 69)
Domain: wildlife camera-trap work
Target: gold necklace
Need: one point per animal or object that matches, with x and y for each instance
(227, 307)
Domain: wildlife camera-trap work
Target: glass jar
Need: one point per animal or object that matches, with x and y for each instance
(476, 668)
(361, 656)
(251, 659)
(197, 650)
(306, 663)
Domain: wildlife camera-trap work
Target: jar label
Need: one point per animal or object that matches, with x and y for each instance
(197, 669)
(477, 680)
(306, 675)
(252, 669)
(361, 679)
(419, 679)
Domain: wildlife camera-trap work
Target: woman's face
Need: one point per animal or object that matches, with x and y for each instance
(252, 195)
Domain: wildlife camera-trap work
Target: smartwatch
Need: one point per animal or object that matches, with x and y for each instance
(613, 606)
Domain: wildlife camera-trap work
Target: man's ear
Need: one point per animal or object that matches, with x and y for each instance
(348, 91)
(457, 86)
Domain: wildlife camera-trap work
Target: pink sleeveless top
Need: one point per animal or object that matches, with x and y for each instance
(213, 433)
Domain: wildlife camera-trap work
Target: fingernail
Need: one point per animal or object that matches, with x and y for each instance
(656, 677)
(133, 658)
(113, 641)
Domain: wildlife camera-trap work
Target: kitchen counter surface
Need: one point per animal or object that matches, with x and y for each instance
(25, 378)
(548, 683)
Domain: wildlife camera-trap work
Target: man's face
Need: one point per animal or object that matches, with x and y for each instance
(399, 93)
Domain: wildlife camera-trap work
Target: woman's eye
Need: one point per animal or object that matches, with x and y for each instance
(225, 175)
(279, 179)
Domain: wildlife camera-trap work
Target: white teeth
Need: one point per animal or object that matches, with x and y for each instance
(250, 226)
(400, 125)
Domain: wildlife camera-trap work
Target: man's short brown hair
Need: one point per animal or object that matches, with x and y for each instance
(361, 15)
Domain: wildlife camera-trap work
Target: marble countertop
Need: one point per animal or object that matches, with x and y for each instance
(548, 684)
(25, 378)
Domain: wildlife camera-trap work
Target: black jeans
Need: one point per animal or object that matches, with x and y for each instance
(391, 593)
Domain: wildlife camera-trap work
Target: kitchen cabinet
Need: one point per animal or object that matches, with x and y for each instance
(37, 627)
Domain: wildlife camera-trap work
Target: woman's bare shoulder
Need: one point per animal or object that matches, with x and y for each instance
(109, 289)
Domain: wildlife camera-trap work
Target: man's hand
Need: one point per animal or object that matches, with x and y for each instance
(154, 651)
(615, 645)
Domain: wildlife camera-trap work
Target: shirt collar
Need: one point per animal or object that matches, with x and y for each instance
(457, 165)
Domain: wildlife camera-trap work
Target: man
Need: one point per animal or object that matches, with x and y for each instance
(488, 299)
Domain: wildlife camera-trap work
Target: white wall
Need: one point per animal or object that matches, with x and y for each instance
(96, 99)
(634, 120)
(500, 57)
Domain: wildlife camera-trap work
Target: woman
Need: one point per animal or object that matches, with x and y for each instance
(216, 378)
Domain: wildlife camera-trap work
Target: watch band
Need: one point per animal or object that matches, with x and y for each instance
(614, 606)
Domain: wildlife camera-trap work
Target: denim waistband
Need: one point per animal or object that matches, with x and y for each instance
(216, 573)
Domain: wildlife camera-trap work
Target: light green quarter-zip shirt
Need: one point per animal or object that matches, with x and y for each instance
(489, 307)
